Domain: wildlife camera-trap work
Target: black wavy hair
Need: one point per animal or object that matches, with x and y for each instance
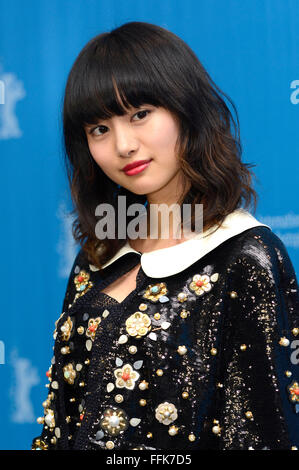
(146, 63)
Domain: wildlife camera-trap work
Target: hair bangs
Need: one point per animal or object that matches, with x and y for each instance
(114, 80)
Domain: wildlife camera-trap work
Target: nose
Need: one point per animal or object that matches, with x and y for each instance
(126, 142)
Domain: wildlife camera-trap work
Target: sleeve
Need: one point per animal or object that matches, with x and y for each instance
(258, 387)
(54, 435)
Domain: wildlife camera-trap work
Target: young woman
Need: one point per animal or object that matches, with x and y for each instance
(179, 342)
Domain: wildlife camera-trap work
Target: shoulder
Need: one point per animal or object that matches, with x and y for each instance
(260, 267)
(261, 247)
(80, 278)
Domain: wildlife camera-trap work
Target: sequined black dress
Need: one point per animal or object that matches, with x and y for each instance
(204, 359)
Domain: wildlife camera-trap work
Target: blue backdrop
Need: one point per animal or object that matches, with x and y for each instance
(251, 50)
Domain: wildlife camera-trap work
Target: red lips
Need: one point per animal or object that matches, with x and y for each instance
(130, 166)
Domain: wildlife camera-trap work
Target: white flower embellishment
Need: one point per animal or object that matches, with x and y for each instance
(126, 377)
(166, 413)
(201, 283)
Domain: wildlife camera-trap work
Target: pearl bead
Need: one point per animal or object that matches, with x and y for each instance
(182, 297)
(233, 294)
(159, 372)
(216, 429)
(173, 430)
(191, 437)
(114, 421)
(132, 349)
(109, 445)
(65, 350)
(284, 341)
(142, 307)
(213, 351)
(142, 402)
(182, 350)
(184, 314)
(143, 385)
(119, 398)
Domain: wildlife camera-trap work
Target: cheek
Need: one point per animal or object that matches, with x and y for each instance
(164, 136)
(98, 155)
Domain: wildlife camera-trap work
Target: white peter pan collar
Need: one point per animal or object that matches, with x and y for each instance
(174, 259)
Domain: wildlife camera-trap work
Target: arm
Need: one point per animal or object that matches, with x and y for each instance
(255, 408)
(55, 432)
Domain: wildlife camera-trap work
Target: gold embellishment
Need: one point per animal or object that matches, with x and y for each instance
(66, 329)
(93, 324)
(142, 307)
(114, 421)
(119, 398)
(173, 430)
(294, 392)
(49, 418)
(110, 445)
(182, 297)
(82, 283)
(155, 291)
(69, 373)
(138, 324)
(182, 350)
(284, 341)
(56, 323)
(132, 349)
(38, 444)
(184, 313)
(166, 413)
(216, 429)
(65, 350)
(143, 385)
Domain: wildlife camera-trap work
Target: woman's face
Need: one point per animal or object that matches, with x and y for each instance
(149, 134)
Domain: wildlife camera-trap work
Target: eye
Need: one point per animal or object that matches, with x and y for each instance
(102, 130)
(142, 114)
